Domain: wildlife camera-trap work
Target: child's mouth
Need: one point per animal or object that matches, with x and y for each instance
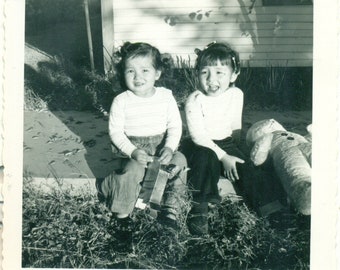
(213, 88)
(138, 84)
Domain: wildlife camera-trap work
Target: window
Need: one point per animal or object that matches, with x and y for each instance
(286, 2)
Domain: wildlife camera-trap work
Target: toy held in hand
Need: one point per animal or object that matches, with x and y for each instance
(291, 155)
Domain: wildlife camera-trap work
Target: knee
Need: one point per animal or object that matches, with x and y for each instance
(205, 156)
(179, 175)
(179, 160)
(133, 167)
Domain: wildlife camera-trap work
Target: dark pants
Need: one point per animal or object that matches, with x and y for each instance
(206, 169)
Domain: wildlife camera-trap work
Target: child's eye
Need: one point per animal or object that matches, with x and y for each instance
(220, 73)
(129, 71)
(203, 72)
(145, 70)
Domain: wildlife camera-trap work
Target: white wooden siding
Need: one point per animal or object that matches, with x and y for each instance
(277, 36)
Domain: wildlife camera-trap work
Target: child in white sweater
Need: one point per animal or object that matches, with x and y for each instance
(144, 123)
(214, 116)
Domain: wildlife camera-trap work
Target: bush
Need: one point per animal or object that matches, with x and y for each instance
(277, 88)
(64, 86)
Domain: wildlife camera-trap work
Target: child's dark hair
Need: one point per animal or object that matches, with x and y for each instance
(217, 52)
(132, 50)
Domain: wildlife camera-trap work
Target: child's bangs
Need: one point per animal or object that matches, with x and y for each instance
(147, 53)
(213, 58)
(140, 53)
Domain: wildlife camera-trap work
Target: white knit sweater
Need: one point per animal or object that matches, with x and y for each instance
(214, 118)
(131, 115)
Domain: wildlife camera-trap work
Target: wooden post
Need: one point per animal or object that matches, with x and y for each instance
(107, 32)
(89, 35)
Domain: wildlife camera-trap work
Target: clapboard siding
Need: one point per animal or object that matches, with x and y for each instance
(123, 17)
(260, 25)
(228, 33)
(277, 36)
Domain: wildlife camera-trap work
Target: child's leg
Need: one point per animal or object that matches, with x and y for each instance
(204, 174)
(203, 177)
(231, 148)
(121, 188)
(175, 194)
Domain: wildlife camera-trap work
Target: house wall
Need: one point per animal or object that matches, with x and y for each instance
(268, 36)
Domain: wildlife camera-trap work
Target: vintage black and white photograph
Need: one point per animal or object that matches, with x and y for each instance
(167, 134)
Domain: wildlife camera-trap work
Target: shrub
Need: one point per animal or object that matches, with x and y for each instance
(63, 86)
(276, 88)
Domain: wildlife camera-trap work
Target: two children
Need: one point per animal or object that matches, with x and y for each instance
(145, 123)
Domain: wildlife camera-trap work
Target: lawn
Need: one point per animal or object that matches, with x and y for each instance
(68, 231)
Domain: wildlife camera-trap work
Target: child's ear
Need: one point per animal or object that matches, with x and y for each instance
(234, 77)
(158, 74)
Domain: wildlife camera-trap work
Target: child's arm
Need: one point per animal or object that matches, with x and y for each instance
(141, 156)
(118, 136)
(166, 154)
(229, 166)
(229, 162)
(196, 127)
(173, 133)
(174, 125)
(116, 128)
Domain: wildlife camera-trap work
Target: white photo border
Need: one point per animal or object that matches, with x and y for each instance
(326, 115)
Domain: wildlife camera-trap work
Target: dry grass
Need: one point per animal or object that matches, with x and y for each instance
(61, 230)
(32, 101)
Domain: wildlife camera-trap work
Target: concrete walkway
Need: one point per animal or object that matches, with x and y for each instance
(70, 146)
(73, 147)
(70, 150)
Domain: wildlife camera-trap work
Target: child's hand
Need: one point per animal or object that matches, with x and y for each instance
(166, 155)
(141, 156)
(229, 165)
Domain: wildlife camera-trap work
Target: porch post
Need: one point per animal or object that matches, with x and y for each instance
(107, 31)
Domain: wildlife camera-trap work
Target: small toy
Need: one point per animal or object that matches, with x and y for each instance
(291, 154)
(155, 180)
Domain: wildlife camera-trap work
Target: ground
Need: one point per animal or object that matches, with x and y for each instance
(76, 145)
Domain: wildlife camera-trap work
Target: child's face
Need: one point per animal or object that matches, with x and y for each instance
(140, 75)
(215, 80)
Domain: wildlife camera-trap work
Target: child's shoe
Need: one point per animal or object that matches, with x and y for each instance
(198, 225)
(168, 220)
(123, 234)
(198, 219)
